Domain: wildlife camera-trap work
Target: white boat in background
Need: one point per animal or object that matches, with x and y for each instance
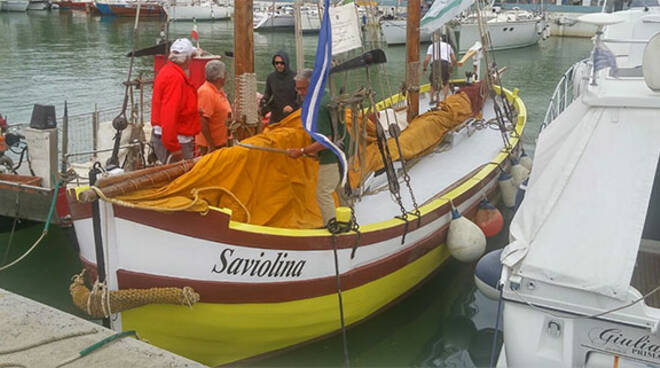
(208, 10)
(310, 20)
(14, 5)
(38, 5)
(581, 275)
(508, 29)
(279, 18)
(394, 32)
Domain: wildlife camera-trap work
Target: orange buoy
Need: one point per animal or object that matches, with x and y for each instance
(489, 219)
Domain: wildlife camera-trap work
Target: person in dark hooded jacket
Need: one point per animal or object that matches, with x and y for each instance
(280, 97)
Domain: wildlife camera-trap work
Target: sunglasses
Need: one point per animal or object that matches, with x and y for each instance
(278, 63)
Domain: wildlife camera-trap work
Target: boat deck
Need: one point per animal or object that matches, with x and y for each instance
(441, 169)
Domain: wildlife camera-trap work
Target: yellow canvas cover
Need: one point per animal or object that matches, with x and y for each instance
(271, 189)
(262, 188)
(421, 136)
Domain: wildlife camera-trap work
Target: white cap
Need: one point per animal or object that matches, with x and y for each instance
(182, 46)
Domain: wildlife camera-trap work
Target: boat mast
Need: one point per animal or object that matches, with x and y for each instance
(412, 58)
(297, 17)
(245, 79)
(243, 38)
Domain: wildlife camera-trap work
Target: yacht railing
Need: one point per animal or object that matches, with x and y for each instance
(565, 91)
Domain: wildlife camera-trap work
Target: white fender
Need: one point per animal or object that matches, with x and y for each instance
(508, 190)
(518, 173)
(465, 240)
(526, 161)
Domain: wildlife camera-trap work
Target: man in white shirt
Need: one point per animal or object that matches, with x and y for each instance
(443, 52)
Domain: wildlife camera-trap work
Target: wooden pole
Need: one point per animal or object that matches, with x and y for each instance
(243, 38)
(412, 58)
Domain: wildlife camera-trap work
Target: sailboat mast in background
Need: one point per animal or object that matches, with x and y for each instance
(412, 58)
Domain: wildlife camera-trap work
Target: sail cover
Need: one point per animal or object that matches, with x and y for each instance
(581, 222)
(442, 11)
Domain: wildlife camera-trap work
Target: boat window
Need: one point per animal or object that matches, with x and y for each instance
(646, 276)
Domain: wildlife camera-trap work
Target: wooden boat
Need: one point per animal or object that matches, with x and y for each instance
(266, 288)
(129, 9)
(75, 5)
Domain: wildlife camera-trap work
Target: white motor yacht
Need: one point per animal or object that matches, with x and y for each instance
(207, 10)
(278, 18)
(580, 278)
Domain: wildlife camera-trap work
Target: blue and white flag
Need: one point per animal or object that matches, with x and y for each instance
(310, 107)
(604, 58)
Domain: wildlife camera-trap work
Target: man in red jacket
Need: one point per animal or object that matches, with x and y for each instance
(174, 111)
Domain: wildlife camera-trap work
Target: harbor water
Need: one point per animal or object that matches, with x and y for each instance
(50, 57)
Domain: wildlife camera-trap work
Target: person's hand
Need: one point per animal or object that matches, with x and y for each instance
(294, 152)
(287, 109)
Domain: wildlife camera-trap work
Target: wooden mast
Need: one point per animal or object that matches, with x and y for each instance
(412, 58)
(243, 38)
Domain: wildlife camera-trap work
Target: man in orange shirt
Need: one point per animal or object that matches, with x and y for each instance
(214, 108)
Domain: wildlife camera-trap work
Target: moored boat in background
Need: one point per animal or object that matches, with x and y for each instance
(14, 5)
(177, 10)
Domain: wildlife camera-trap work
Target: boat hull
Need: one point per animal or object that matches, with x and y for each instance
(15, 5)
(74, 5)
(38, 5)
(394, 32)
(22, 197)
(103, 8)
(146, 10)
(274, 21)
(263, 289)
(503, 35)
(200, 13)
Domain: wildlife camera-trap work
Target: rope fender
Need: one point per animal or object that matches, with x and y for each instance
(100, 302)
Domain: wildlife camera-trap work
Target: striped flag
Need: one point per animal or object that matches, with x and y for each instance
(310, 107)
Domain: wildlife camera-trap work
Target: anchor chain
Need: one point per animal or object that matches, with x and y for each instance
(395, 131)
(392, 180)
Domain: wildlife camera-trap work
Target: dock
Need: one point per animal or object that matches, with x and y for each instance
(36, 335)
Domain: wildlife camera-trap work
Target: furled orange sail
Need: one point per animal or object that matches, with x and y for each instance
(260, 187)
(422, 135)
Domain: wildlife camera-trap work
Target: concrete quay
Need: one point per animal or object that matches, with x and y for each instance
(34, 335)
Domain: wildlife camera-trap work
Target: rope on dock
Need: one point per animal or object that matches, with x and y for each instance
(97, 345)
(101, 302)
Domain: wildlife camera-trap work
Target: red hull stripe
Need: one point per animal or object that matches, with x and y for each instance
(215, 227)
(238, 292)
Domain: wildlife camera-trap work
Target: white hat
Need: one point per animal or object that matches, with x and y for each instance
(182, 46)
